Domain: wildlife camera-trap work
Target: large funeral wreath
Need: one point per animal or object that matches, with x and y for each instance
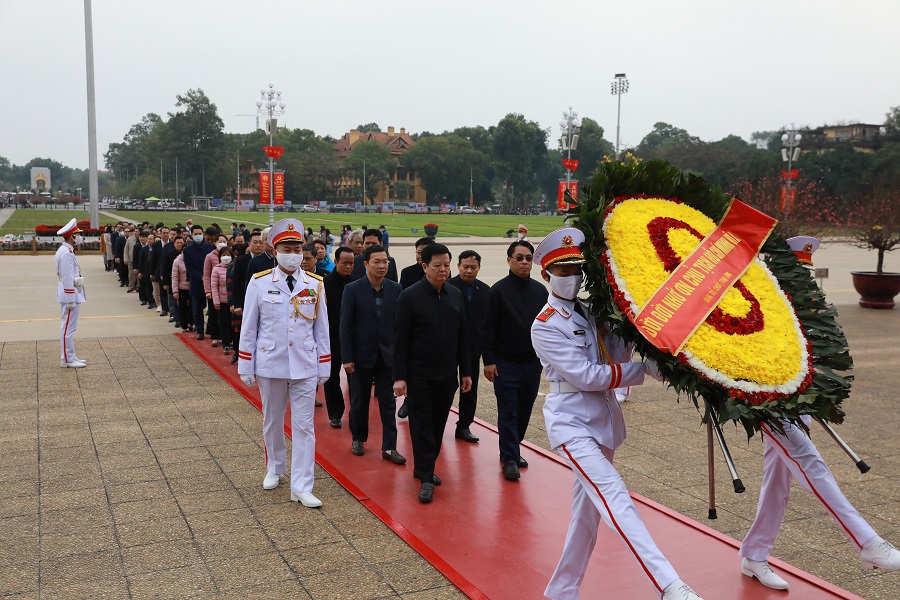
(770, 351)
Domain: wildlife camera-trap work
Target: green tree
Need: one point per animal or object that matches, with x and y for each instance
(892, 124)
(445, 165)
(368, 127)
(145, 186)
(374, 162)
(661, 136)
(195, 135)
(519, 149)
(591, 149)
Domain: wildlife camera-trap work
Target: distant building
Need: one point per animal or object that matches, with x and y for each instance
(404, 186)
(861, 137)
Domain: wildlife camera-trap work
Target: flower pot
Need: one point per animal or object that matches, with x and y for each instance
(876, 291)
(431, 231)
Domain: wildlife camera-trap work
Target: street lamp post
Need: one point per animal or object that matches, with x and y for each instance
(569, 141)
(618, 87)
(271, 106)
(790, 152)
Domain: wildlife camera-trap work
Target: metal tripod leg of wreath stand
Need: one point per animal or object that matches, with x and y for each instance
(712, 425)
(860, 464)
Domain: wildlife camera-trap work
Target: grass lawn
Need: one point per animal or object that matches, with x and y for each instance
(399, 225)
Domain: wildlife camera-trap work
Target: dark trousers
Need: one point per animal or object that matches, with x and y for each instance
(198, 303)
(429, 403)
(516, 386)
(361, 393)
(212, 320)
(225, 328)
(334, 395)
(173, 305)
(469, 400)
(145, 291)
(184, 307)
(122, 268)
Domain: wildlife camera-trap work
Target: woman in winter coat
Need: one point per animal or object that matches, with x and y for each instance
(219, 290)
(181, 289)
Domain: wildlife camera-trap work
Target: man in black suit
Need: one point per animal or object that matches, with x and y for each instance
(475, 300)
(414, 272)
(367, 349)
(372, 237)
(263, 261)
(334, 285)
(240, 275)
(142, 265)
(119, 257)
(153, 266)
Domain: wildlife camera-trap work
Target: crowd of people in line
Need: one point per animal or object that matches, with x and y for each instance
(298, 306)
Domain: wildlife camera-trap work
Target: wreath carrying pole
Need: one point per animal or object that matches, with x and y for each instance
(713, 427)
(711, 461)
(860, 464)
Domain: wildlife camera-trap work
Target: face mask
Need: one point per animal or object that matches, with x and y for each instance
(78, 239)
(565, 287)
(226, 260)
(198, 239)
(289, 262)
(220, 245)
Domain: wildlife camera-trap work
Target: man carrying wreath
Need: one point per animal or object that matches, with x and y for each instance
(584, 421)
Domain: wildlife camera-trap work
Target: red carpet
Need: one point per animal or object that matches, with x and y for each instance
(497, 539)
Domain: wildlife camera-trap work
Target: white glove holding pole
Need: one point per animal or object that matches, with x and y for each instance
(652, 369)
(70, 305)
(250, 380)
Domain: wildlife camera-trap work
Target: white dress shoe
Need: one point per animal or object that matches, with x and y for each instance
(880, 554)
(75, 364)
(271, 481)
(80, 360)
(306, 499)
(762, 571)
(679, 590)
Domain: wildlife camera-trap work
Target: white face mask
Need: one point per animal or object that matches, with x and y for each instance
(198, 239)
(226, 260)
(78, 239)
(289, 262)
(565, 287)
(220, 245)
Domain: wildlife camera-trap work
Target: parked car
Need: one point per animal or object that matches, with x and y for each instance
(468, 210)
(309, 208)
(342, 208)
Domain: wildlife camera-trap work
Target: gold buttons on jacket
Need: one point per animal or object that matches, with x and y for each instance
(291, 344)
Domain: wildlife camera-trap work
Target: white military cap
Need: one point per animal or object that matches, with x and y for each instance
(803, 246)
(561, 247)
(286, 230)
(68, 229)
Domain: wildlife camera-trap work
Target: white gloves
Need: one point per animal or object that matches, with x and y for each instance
(70, 305)
(652, 369)
(322, 380)
(249, 379)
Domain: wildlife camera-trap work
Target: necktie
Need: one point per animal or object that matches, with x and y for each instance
(290, 282)
(580, 310)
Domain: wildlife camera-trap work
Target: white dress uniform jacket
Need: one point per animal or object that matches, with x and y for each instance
(592, 410)
(67, 270)
(284, 334)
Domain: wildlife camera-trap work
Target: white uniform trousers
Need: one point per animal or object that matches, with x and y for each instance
(67, 331)
(795, 456)
(275, 393)
(601, 493)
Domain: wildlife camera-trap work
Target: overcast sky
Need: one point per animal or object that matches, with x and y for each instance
(712, 68)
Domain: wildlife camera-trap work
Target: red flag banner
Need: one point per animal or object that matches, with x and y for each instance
(264, 189)
(561, 203)
(279, 187)
(695, 287)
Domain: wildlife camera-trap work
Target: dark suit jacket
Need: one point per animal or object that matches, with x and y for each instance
(334, 286)
(363, 333)
(119, 248)
(156, 259)
(259, 264)
(411, 274)
(145, 262)
(169, 255)
(194, 255)
(475, 312)
(359, 267)
(239, 279)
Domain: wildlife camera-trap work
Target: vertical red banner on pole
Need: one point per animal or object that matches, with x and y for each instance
(279, 187)
(264, 190)
(561, 203)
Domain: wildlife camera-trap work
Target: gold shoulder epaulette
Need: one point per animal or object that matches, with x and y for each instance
(261, 273)
(319, 277)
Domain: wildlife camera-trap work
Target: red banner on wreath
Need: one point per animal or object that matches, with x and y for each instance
(561, 203)
(695, 287)
(279, 187)
(264, 189)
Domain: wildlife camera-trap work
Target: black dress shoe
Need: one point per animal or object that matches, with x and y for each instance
(200, 335)
(393, 456)
(426, 493)
(511, 471)
(164, 313)
(357, 448)
(144, 303)
(234, 358)
(177, 325)
(171, 319)
(336, 423)
(151, 307)
(522, 463)
(466, 435)
(434, 479)
(403, 413)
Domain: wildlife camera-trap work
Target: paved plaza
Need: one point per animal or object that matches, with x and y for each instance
(140, 475)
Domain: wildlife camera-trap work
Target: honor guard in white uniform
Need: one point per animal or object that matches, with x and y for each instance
(285, 346)
(585, 423)
(69, 293)
(794, 456)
